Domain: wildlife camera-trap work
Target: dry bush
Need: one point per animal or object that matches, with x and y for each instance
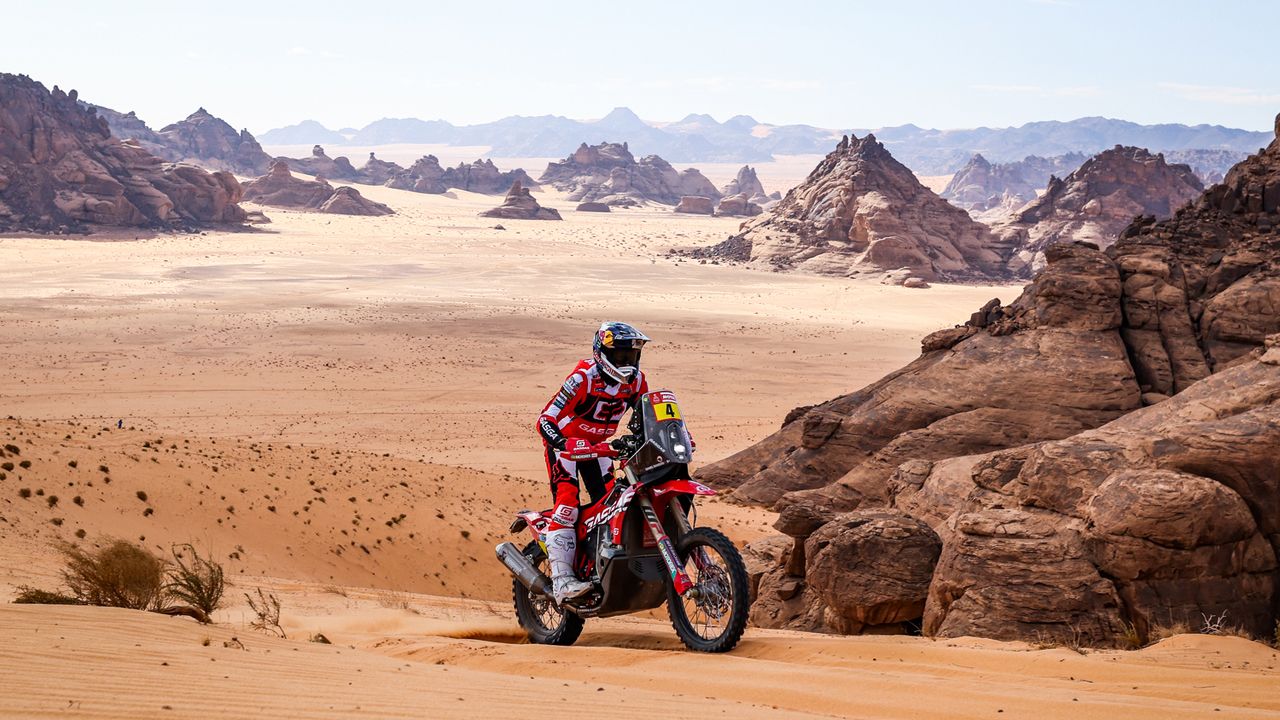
(1162, 632)
(35, 596)
(266, 610)
(120, 574)
(1130, 638)
(194, 580)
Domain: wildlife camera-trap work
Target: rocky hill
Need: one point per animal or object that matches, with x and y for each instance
(1096, 201)
(1091, 462)
(862, 211)
(279, 188)
(207, 141)
(61, 170)
(609, 173)
(981, 186)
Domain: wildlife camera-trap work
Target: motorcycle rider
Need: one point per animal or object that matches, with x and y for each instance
(575, 426)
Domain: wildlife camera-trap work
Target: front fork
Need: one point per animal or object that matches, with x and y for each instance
(666, 548)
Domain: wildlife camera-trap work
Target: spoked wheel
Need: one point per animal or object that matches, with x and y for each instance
(545, 623)
(713, 619)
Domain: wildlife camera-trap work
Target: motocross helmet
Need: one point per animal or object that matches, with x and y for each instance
(617, 351)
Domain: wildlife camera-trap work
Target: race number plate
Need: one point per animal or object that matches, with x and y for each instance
(665, 410)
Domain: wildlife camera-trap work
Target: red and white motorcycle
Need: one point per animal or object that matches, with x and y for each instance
(638, 546)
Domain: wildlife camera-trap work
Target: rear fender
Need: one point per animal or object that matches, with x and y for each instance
(532, 519)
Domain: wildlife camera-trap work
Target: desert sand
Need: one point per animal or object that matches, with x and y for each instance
(341, 409)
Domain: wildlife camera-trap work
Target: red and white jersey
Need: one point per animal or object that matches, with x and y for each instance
(587, 407)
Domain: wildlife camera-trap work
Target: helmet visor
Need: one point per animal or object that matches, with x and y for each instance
(623, 357)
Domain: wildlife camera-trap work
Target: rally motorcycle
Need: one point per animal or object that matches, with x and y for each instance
(638, 546)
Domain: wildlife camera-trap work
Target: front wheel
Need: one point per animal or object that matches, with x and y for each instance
(545, 623)
(715, 619)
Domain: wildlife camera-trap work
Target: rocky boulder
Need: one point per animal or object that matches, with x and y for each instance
(738, 206)
(860, 210)
(62, 171)
(696, 205)
(280, 188)
(592, 207)
(1098, 200)
(521, 205)
(609, 173)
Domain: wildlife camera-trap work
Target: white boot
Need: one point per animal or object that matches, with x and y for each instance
(562, 548)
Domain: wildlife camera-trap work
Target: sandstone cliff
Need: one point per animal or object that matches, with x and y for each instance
(62, 171)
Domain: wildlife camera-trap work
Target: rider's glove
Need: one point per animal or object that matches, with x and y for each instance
(578, 449)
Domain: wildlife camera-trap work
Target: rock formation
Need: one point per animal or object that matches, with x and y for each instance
(696, 205)
(862, 211)
(592, 207)
(1092, 461)
(62, 171)
(128, 126)
(981, 186)
(738, 206)
(1097, 201)
(425, 176)
(746, 183)
(521, 205)
(378, 172)
(210, 142)
(480, 176)
(608, 173)
(279, 188)
(320, 165)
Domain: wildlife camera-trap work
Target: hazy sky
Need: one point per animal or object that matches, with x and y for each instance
(834, 64)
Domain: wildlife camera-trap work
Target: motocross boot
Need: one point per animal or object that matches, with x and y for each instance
(562, 548)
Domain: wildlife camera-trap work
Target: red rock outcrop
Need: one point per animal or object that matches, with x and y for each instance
(62, 171)
(425, 176)
(1096, 201)
(280, 188)
(1066, 510)
(481, 176)
(521, 205)
(204, 140)
(861, 211)
(609, 173)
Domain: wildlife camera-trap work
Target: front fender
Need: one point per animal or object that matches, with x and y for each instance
(681, 487)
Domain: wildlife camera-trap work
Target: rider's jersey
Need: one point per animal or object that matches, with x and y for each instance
(587, 407)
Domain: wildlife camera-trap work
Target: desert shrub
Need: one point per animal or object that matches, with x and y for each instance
(194, 580)
(25, 464)
(24, 493)
(120, 574)
(142, 495)
(35, 596)
(266, 611)
(7, 466)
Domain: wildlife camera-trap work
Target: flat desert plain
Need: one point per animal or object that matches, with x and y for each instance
(340, 409)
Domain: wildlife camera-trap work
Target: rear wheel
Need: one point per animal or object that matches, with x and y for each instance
(545, 623)
(714, 619)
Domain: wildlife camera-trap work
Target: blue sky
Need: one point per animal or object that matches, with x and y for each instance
(833, 64)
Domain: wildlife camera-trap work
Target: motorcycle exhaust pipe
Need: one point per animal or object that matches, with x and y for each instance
(522, 569)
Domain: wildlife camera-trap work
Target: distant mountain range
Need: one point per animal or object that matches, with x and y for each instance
(701, 138)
